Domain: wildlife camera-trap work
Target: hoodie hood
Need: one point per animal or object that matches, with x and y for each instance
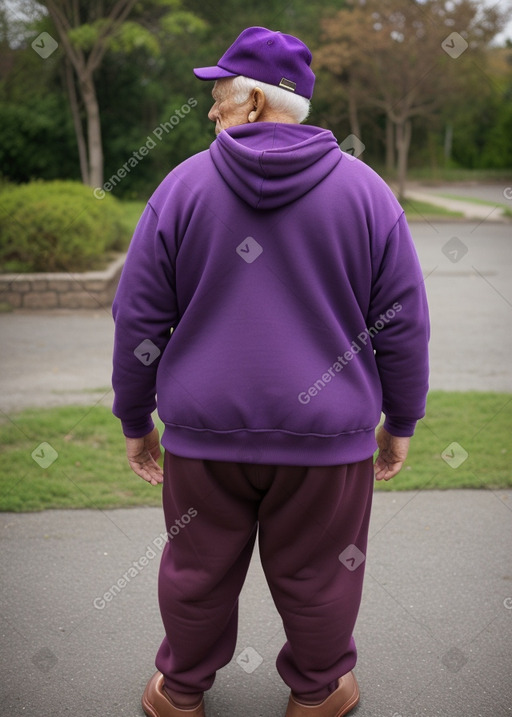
(271, 164)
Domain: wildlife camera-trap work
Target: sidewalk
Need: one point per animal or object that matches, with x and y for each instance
(492, 212)
(433, 633)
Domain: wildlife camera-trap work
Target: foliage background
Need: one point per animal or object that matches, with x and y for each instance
(58, 226)
(139, 89)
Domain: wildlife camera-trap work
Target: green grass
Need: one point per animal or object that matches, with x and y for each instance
(91, 470)
(472, 200)
(418, 211)
(481, 423)
(453, 174)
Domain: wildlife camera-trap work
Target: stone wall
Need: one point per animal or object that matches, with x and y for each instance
(87, 290)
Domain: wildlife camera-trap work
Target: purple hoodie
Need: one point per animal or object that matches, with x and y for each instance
(272, 299)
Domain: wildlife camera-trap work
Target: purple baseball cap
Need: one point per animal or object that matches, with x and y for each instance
(271, 57)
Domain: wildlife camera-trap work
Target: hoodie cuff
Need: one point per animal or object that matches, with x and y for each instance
(138, 428)
(400, 427)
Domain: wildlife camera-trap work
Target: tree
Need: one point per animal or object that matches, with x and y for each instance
(342, 46)
(36, 133)
(86, 31)
(405, 58)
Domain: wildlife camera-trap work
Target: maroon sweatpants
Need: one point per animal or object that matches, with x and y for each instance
(313, 528)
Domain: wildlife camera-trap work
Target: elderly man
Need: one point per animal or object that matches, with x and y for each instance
(273, 301)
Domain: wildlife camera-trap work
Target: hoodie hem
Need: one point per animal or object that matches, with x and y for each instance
(270, 447)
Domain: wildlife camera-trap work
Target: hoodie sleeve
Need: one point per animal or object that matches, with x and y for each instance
(145, 312)
(398, 323)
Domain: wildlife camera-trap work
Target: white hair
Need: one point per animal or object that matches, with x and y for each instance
(279, 100)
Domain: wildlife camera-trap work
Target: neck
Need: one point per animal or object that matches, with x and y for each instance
(277, 117)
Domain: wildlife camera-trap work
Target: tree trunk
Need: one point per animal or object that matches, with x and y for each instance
(352, 112)
(77, 122)
(448, 144)
(93, 130)
(403, 141)
(390, 146)
(66, 16)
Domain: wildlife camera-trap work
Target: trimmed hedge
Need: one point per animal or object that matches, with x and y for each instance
(58, 226)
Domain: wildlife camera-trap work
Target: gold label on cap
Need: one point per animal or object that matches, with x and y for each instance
(287, 84)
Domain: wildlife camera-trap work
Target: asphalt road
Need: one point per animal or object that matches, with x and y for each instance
(58, 357)
(467, 268)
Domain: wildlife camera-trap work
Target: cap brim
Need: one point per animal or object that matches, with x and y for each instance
(212, 73)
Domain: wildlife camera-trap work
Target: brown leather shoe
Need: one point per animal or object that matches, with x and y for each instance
(339, 703)
(156, 702)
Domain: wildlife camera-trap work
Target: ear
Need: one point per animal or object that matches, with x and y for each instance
(258, 101)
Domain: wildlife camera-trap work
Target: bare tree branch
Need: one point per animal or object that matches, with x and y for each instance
(114, 21)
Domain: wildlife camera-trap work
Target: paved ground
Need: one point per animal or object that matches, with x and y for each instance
(500, 193)
(435, 627)
(433, 633)
(499, 196)
(51, 358)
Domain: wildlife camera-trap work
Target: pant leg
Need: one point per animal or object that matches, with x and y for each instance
(305, 515)
(203, 568)
(307, 519)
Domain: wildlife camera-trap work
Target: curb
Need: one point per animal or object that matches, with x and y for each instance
(85, 290)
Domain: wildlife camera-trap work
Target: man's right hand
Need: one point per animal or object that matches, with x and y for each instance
(143, 454)
(392, 454)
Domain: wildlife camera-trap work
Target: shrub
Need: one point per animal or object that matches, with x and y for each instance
(58, 226)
